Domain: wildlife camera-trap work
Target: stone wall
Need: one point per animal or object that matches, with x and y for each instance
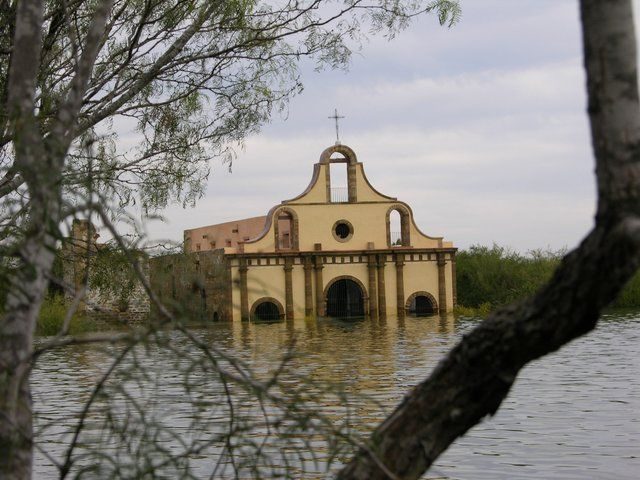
(196, 285)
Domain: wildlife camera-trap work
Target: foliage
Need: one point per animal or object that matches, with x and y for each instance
(489, 277)
(493, 276)
(52, 315)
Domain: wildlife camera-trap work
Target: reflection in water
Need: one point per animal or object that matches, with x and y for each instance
(572, 415)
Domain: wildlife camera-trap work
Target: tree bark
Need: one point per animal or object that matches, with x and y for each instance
(474, 378)
(27, 285)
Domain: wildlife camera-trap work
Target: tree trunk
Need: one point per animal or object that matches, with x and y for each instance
(27, 284)
(39, 160)
(474, 378)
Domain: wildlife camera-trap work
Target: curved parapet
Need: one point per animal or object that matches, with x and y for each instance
(309, 221)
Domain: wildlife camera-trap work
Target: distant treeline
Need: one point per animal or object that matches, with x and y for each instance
(488, 277)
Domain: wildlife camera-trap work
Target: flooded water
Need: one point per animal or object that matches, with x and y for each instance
(573, 415)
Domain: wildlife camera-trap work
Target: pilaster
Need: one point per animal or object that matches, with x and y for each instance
(244, 293)
(288, 288)
(308, 287)
(373, 295)
(454, 284)
(320, 303)
(227, 309)
(382, 299)
(442, 285)
(399, 257)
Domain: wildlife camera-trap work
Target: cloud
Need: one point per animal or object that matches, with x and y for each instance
(481, 129)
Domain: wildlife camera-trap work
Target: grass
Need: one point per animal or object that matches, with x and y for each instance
(480, 311)
(51, 318)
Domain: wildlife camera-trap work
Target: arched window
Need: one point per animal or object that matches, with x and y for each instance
(285, 229)
(398, 226)
(395, 228)
(339, 182)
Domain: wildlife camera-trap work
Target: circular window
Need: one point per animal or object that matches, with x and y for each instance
(342, 230)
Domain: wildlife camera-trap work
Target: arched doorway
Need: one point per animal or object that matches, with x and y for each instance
(267, 309)
(345, 299)
(421, 304)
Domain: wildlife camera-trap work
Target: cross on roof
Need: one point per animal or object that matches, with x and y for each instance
(336, 117)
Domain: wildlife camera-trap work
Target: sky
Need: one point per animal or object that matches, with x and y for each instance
(480, 128)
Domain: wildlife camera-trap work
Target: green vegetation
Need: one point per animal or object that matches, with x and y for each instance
(52, 316)
(630, 296)
(488, 277)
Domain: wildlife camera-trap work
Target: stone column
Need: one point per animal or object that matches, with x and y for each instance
(308, 288)
(373, 296)
(244, 293)
(405, 230)
(442, 284)
(318, 266)
(288, 287)
(351, 183)
(400, 284)
(382, 298)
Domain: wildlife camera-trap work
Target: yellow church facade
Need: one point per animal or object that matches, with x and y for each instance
(350, 252)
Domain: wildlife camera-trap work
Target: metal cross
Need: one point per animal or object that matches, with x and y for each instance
(336, 117)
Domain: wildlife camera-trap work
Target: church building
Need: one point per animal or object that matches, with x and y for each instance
(332, 251)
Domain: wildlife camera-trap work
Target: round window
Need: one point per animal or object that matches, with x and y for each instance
(342, 230)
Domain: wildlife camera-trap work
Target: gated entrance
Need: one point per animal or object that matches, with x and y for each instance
(345, 299)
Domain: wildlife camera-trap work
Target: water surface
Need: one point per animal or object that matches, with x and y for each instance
(574, 414)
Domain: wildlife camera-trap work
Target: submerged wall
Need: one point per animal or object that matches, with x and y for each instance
(197, 285)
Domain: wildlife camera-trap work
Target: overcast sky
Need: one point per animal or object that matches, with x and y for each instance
(480, 128)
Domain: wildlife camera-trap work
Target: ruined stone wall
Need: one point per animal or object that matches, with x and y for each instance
(196, 285)
(78, 257)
